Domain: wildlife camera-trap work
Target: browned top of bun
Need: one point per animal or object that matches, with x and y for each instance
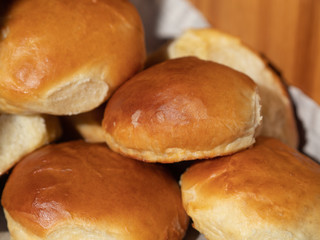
(182, 107)
(267, 190)
(87, 186)
(46, 45)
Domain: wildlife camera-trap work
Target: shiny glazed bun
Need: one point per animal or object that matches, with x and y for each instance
(20, 135)
(78, 191)
(269, 191)
(66, 57)
(210, 44)
(183, 109)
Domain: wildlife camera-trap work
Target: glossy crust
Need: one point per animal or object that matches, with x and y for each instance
(211, 44)
(66, 57)
(269, 191)
(20, 135)
(78, 190)
(183, 109)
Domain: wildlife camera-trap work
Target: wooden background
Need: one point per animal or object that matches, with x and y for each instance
(286, 31)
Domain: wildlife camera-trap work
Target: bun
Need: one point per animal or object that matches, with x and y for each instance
(183, 109)
(67, 57)
(20, 135)
(210, 44)
(78, 190)
(269, 191)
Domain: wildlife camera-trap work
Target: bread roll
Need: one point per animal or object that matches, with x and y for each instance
(183, 109)
(66, 57)
(76, 190)
(269, 191)
(20, 135)
(210, 44)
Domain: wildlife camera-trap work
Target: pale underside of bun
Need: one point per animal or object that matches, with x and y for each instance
(80, 93)
(77, 94)
(183, 109)
(65, 58)
(20, 135)
(269, 191)
(210, 44)
(170, 155)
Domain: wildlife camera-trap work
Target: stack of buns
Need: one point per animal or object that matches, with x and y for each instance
(64, 58)
(204, 98)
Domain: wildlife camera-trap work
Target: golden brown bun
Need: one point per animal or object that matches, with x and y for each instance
(269, 191)
(66, 57)
(86, 125)
(210, 44)
(20, 135)
(77, 190)
(183, 109)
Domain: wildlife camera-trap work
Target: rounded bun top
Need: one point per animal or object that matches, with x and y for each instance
(88, 189)
(66, 57)
(269, 191)
(183, 109)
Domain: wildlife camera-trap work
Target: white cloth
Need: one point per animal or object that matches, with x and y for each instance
(309, 114)
(176, 16)
(167, 19)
